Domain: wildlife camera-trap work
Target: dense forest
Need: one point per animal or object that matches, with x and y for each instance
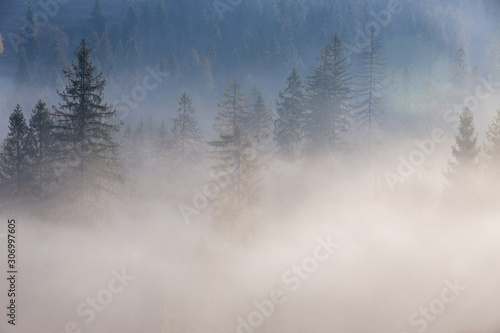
(204, 144)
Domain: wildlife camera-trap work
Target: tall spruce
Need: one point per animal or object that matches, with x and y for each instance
(492, 146)
(41, 131)
(370, 111)
(186, 136)
(465, 152)
(258, 124)
(15, 158)
(328, 97)
(86, 127)
(289, 127)
(233, 157)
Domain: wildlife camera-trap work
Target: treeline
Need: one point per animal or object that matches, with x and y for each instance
(74, 150)
(69, 151)
(199, 48)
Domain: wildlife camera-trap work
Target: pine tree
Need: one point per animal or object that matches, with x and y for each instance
(257, 123)
(370, 110)
(186, 136)
(492, 147)
(289, 127)
(233, 157)
(232, 110)
(85, 128)
(15, 158)
(328, 93)
(41, 132)
(162, 140)
(465, 152)
(97, 21)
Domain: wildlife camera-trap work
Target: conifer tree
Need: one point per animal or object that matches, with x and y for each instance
(15, 158)
(258, 125)
(370, 110)
(162, 140)
(41, 132)
(85, 128)
(186, 136)
(465, 151)
(328, 93)
(492, 147)
(289, 127)
(233, 157)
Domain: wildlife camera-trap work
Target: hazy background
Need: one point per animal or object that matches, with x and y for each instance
(397, 247)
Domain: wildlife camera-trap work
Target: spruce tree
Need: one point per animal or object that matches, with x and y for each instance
(465, 151)
(492, 147)
(258, 125)
(85, 128)
(15, 158)
(370, 110)
(162, 140)
(289, 127)
(186, 136)
(41, 131)
(328, 97)
(233, 157)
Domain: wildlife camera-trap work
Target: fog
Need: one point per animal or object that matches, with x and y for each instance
(359, 237)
